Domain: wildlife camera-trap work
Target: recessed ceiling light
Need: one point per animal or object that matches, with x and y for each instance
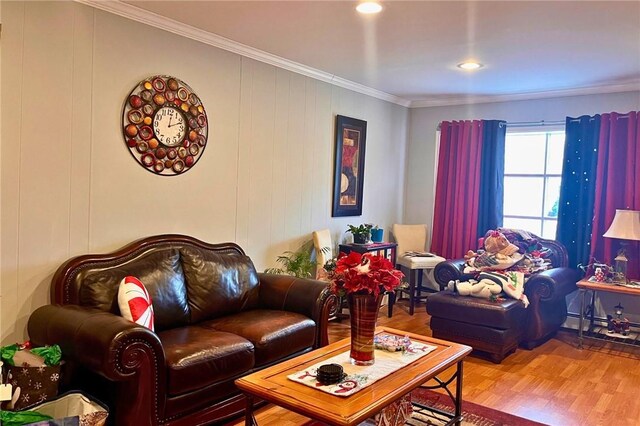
(369, 7)
(470, 65)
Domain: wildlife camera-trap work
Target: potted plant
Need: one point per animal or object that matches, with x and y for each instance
(298, 263)
(361, 234)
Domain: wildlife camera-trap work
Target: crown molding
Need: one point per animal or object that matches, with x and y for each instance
(628, 86)
(149, 18)
(137, 14)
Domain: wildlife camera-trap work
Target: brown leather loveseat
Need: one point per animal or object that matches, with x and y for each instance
(216, 319)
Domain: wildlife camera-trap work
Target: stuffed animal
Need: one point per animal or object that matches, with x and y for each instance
(484, 289)
(491, 284)
(498, 254)
(497, 243)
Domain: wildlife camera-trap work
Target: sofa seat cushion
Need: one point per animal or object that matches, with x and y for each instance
(503, 314)
(197, 357)
(274, 334)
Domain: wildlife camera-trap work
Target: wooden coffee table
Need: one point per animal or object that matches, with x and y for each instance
(272, 384)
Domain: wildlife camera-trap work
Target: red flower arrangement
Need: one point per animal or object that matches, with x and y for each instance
(363, 273)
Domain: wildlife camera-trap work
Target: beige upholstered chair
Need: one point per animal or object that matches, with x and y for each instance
(413, 238)
(324, 250)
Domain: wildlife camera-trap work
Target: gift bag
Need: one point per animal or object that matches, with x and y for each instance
(32, 375)
(71, 409)
(34, 384)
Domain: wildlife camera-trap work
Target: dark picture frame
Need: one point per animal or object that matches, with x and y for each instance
(348, 175)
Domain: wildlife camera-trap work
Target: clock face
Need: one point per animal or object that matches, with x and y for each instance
(169, 126)
(165, 125)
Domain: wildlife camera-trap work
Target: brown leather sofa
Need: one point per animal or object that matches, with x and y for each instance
(216, 319)
(498, 328)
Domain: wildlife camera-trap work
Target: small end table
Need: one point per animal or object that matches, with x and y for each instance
(387, 250)
(599, 332)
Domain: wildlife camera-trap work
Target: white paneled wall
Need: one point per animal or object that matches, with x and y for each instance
(69, 186)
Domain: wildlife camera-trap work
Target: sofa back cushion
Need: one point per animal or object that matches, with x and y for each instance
(161, 273)
(218, 284)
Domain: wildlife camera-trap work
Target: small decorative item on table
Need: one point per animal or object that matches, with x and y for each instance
(363, 278)
(618, 325)
(377, 234)
(391, 343)
(329, 374)
(599, 272)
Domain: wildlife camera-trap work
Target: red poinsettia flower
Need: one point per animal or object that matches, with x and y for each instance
(364, 273)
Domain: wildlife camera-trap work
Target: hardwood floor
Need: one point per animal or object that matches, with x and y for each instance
(556, 383)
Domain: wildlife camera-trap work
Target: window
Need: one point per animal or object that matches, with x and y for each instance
(532, 175)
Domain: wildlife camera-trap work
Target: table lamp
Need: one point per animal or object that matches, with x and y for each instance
(625, 226)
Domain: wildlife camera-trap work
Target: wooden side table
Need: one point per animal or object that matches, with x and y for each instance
(387, 250)
(596, 330)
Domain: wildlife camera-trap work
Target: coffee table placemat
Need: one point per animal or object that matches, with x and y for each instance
(360, 376)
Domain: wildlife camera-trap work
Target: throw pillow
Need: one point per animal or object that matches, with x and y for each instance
(135, 303)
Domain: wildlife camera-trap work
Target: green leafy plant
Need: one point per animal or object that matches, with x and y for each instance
(361, 233)
(299, 263)
(362, 229)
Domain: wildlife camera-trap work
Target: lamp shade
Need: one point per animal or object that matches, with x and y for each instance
(625, 225)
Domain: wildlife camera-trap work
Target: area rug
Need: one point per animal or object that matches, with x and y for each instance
(473, 414)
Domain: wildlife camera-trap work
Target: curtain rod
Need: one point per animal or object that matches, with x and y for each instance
(534, 123)
(526, 123)
(544, 123)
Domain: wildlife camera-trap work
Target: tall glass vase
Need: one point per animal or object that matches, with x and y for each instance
(363, 311)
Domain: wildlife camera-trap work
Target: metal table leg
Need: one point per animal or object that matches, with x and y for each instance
(412, 290)
(458, 412)
(583, 295)
(456, 417)
(249, 419)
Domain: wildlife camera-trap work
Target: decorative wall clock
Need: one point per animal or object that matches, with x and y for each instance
(165, 125)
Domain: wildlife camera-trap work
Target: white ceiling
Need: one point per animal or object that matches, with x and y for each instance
(410, 49)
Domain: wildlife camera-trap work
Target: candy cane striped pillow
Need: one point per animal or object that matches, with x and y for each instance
(134, 302)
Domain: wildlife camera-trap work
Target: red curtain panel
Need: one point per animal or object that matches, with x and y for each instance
(457, 188)
(617, 180)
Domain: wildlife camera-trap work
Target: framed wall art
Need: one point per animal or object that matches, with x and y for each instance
(348, 177)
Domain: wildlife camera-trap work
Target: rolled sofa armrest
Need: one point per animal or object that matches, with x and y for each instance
(105, 343)
(450, 270)
(552, 285)
(308, 297)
